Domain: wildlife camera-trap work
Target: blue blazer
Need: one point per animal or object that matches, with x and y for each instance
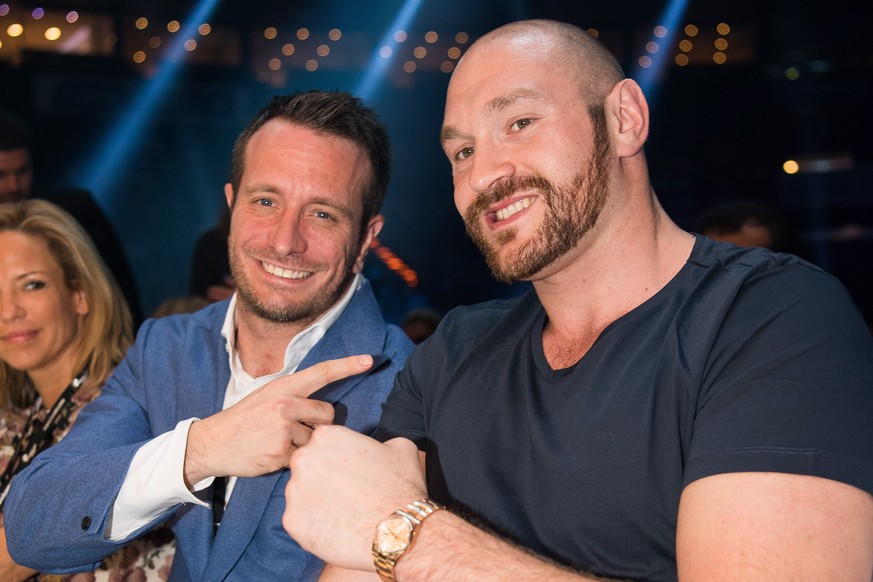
(57, 508)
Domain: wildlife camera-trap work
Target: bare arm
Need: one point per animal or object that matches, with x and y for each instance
(774, 526)
(344, 483)
(9, 570)
(449, 548)
(739, 526)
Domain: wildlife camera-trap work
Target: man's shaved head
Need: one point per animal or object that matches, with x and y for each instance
(567, 47)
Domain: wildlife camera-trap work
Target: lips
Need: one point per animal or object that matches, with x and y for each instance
(19, 336)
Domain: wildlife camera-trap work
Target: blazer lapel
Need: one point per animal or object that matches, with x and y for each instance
(360, 330)
(208, 368)
(250, 497)
(241, 519)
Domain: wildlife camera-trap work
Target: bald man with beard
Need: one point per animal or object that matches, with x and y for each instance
(660, 406)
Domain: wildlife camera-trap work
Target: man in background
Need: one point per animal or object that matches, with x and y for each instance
(17, 183)
(744, 223)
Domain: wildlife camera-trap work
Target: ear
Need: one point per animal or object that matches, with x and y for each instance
(228, 194)
(631, 115)
(80, 303)
(373, 227)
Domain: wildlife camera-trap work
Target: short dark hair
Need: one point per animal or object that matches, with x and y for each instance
(14, 134)
(730, 217)
(334, 113)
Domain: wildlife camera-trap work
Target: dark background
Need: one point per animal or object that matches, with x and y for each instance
(719, 132)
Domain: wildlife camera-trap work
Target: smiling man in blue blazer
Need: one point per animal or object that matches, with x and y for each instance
(196, 426)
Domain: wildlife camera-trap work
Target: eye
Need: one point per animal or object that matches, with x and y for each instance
(264, 202)
(34, 285)
(464, 154)
(521, 123)
(323, 215)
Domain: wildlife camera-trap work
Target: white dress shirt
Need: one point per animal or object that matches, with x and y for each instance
(155, 479)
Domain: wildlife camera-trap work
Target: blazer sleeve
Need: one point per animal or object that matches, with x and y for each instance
(58, 506)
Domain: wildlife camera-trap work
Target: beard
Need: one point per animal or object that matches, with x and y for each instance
(279, 307)
(571, 211)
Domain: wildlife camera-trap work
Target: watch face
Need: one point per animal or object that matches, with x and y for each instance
(394, 534)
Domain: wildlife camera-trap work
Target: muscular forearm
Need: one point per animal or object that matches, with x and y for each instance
(449, 548)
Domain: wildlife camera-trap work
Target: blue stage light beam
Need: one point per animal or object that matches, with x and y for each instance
(103, 169)
(649, 77)
(379, 61)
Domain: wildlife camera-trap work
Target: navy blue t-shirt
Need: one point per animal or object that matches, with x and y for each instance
(746, 361)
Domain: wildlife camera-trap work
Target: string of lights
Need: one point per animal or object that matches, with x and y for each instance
(277, 49)
(395, 263)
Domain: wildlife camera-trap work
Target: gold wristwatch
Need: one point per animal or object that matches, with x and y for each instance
(396, 534)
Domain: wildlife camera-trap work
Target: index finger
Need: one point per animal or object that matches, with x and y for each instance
(305, 382)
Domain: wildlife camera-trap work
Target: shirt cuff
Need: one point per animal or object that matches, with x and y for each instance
(154, 483)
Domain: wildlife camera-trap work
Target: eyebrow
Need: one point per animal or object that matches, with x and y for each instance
(259, 187)
(31, 274)
(343, 209)
(491, 107)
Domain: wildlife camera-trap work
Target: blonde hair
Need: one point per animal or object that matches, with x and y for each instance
(107, 328)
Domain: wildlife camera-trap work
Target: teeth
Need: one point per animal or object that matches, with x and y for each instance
(505, 213)
(285, 273)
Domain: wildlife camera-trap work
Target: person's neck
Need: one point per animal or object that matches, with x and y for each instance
(261, 344)
(51, 381)
(610, 273)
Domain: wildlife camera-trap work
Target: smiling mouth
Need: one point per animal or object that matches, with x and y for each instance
(284, 273)
(513, 208)
(18, 336)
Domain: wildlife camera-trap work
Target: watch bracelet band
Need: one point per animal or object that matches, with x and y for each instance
(422, 508)
(416, 512)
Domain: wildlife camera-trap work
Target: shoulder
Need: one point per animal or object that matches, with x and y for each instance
(397, 342)
(736, 303)
(186, 332)
(471, 321)
(747, 262)
(723, 272)
(466, 330)
(210, 317)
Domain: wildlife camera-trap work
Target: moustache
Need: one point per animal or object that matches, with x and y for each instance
(509, 187)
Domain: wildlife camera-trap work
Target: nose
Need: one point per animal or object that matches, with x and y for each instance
(14, 184)
(10, 309)
(489, 166)
(9, 185)
(288, 236)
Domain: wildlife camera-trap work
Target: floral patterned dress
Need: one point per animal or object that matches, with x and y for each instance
(145, 559)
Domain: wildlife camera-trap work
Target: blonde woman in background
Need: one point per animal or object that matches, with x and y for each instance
(64, 326)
